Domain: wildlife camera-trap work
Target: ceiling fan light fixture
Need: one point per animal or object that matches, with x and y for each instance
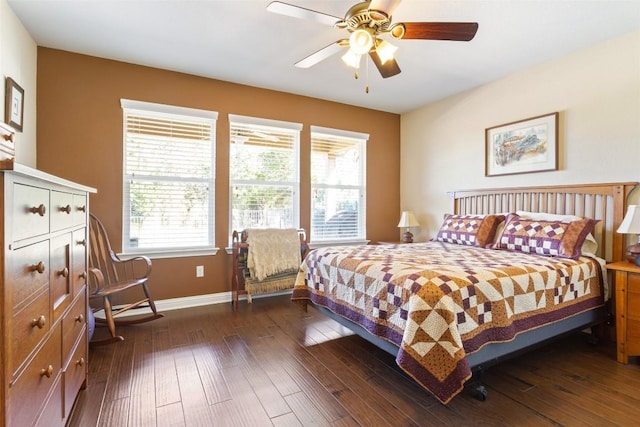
(361, 41)
(386, 50)
(352, 59)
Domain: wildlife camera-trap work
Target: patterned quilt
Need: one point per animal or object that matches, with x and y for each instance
(439, 302)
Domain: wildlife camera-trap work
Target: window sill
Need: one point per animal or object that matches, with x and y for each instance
(170, 254)
(324, 243)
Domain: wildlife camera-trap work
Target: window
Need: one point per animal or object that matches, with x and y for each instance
(168, 182)
(264, 173)
(337, 185)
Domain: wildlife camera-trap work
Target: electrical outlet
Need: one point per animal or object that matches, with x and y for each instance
(200, 271)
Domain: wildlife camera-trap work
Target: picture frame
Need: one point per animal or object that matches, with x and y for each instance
(525, 146)
(14, 104)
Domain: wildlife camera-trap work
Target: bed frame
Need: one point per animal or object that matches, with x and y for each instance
(604, 202)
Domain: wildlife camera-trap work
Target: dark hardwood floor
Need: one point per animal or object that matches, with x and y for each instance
(270, 363)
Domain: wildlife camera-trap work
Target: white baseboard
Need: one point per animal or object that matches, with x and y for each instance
(193, 301)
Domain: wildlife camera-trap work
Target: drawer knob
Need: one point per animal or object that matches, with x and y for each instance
(80, 361)
(82, 242)
(39, 322)
(46, 372)
(80, 318)
(40, 210)
(39, 267)
(64, 272)
(66, 209)
(82, 208)
(83, 275)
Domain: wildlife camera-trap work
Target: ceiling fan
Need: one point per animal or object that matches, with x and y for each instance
(366, 22)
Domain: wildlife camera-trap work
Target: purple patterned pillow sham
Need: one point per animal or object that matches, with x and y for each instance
(471, 230)
(551, 238)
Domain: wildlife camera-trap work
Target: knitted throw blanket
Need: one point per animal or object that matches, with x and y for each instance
(272, 251)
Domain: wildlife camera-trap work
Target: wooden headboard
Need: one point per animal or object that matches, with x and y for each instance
(606, 203)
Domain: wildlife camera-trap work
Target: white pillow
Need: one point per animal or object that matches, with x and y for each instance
(589, 247)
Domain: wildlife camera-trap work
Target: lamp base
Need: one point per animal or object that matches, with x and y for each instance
(633, 255)
(407, 237)
(634, 259)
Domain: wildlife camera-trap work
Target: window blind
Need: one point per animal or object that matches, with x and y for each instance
(168, 181)
(264, 174)
(337, 185)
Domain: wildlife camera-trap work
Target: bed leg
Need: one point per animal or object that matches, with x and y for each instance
(597, 331)
(477, 388)
(302, 304)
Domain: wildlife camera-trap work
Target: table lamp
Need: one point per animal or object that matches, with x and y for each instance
(631, 225)
(408, 220)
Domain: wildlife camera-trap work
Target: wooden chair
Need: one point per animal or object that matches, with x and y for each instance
(109, 275)
(243, 284)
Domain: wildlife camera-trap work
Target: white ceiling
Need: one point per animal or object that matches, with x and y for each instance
(239, 41)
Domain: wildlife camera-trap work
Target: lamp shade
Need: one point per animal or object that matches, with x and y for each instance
(631, 222)
(408, 219)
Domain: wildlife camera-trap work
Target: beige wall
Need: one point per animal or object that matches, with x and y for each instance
(596, 91)
(80, 138)
(18, 58)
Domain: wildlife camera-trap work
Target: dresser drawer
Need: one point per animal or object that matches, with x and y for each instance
(52, 415)
(75, 374)
(79, 210)
(31, 211)
(61, 209)
(73, 324)
(28, 393)
(28, 327)
(28, 272)
(79, 260)
(60, 274)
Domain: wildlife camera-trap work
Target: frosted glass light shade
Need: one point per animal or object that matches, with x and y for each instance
(361, 41)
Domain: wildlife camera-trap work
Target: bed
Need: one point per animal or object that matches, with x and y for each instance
(476, 293)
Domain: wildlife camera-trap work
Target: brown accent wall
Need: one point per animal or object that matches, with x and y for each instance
(79, 137)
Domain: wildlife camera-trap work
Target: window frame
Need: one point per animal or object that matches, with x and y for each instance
(276, 124)
(177, 112)
(361, 238)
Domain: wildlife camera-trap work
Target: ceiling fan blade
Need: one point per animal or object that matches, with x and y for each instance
(457, 31)
(322, 54)
(386, 6)
(302, 13)
(388, 69)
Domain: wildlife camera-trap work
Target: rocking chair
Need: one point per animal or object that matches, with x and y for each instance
(109, 275)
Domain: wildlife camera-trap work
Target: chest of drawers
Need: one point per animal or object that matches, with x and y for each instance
(43, 344)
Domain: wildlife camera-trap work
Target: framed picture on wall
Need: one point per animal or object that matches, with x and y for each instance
(525, 146)
(14, 104)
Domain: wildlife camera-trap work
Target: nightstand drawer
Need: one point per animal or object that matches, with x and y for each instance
(633, 283)
(633, 305)
(633, 336)
(627, 306)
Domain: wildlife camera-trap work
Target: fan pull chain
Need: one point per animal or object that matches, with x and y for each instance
(366, 87)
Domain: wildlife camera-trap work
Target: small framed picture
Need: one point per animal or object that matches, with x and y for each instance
(14, 105)
(525, 146)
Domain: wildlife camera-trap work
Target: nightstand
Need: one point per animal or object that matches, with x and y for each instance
(627, 294)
